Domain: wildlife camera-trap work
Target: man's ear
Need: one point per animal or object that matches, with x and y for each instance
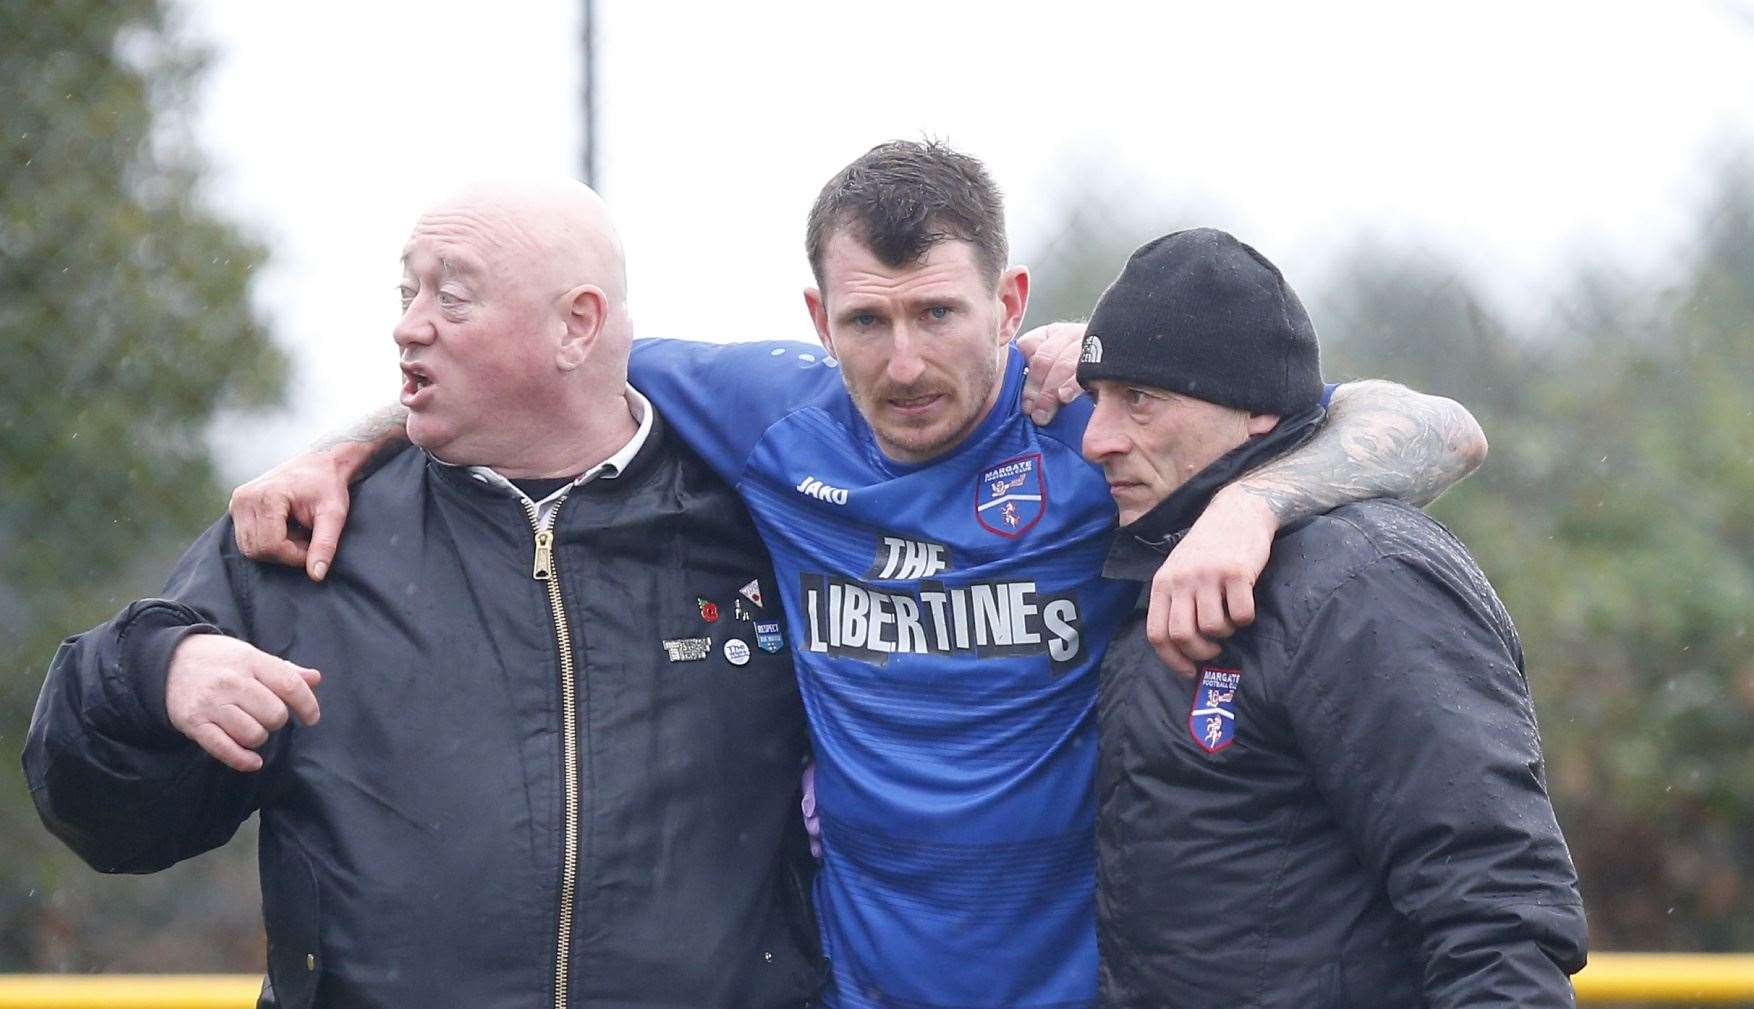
(584, 310)
(1013, 300)
(819, 317)
(1261, 423)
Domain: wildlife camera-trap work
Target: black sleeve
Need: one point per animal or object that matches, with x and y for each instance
(1408, 701)
(108, 773)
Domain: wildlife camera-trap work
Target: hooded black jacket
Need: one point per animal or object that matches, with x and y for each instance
(1376, 832)
(412, 841)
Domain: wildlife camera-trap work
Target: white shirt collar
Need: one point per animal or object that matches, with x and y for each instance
(638, 407)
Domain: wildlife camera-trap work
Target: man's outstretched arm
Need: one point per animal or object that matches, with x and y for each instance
(1380, 440)
(293, 513)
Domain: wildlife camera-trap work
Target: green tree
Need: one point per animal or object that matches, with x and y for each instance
(1615, 519)
(126, 329)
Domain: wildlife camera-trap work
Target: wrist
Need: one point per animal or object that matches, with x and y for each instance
(1240, 501)
(350, 458)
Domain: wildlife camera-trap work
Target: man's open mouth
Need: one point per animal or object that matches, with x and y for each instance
(414, 379)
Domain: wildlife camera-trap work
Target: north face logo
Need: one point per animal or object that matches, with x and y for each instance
(1092, 350)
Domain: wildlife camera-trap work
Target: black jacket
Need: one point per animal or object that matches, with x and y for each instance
(412, 841)
(1364, 822)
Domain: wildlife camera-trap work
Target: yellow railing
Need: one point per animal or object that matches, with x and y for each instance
(1650, 978)
(1664, 978)
(129, 991)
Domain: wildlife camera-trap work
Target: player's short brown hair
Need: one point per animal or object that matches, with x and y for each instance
(901, 198)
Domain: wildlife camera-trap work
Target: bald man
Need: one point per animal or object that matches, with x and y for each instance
(549, 768)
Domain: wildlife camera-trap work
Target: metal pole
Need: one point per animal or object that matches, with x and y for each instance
(590, 95)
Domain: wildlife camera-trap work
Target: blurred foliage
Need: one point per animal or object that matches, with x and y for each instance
(1615, 516)
(1616, 519)
(126, 330)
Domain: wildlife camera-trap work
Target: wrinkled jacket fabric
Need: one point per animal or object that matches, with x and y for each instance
(1377, 831)
(411, 841)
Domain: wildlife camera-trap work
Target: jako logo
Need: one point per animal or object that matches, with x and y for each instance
(812, 487)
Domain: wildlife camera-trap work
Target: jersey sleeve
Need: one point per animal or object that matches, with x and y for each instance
(720, 398)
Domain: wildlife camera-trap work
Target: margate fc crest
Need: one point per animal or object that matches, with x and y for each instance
(1213, 718)
(1011, 497)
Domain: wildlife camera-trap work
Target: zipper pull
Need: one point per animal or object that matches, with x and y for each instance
(544, 570)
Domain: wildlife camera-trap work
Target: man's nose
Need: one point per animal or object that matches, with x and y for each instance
(414, 328)
(1102, 435)
(905, 364)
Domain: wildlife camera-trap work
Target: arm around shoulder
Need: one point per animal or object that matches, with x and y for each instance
(293, 514)
(1380, 440)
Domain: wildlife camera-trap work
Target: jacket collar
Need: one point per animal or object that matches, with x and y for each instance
(632, 461)
(1143, 543)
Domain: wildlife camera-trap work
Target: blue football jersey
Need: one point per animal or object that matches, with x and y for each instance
(946, 622)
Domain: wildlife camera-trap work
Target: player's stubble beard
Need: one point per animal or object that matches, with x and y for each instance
(965, 409)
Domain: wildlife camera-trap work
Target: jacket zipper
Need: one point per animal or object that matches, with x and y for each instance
(543, 571)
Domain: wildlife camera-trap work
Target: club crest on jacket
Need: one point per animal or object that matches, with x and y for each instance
(1213, 717)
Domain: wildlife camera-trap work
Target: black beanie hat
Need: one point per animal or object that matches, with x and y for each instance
(1201, 314)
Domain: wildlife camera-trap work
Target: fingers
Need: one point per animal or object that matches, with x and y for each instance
(221, 747)
(1184, 629)
(1173, 658)
(259, 523)
(271, 513)
(1182, 622)
(230, 697)
(268, 711)
(1239, 600)
(1209, 616)
(1060, 375)
(1053, 352)
(244, 728)
(1030, 343)
(812, 820)
(325, 538)
(289, 686)
(1157, 624)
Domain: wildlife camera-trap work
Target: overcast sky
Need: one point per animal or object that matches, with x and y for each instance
(1514, 132)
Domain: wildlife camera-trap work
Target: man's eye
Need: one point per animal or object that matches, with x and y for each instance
(406, 293)
(864, 319)
(449, 300)
(939, 312)
(1138, 397)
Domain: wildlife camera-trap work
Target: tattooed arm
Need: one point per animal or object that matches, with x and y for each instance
(1380, 440)
(293, 513)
